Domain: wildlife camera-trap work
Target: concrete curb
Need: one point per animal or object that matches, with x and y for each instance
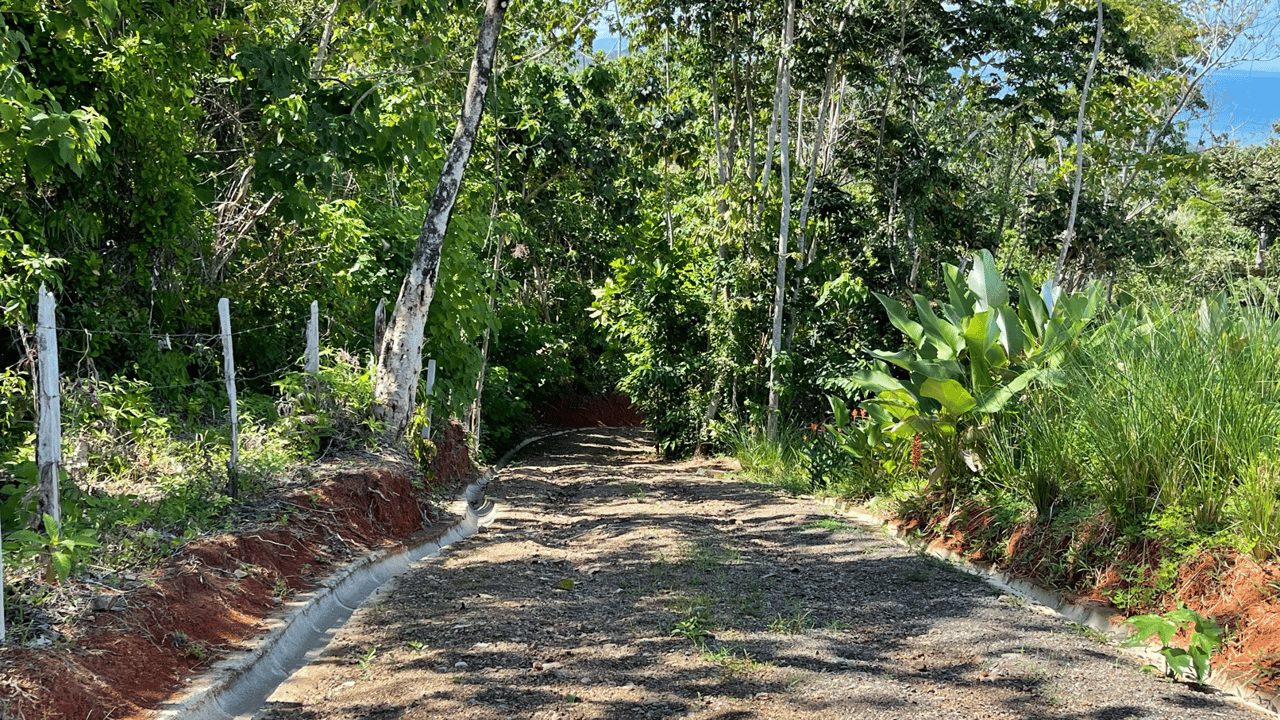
(1102, 618)
(241, 682)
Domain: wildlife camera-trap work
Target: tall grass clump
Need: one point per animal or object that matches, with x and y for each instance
(778, 462)
(1174, 412)
(1031, 453)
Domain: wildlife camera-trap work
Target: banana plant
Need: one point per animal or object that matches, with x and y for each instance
(972, 360)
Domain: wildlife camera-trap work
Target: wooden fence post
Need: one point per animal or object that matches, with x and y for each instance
(48, 409)
(431, 385)
(379, 327)
(229, 370)
(313, 339)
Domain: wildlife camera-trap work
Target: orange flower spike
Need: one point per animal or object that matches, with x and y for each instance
(917, 452)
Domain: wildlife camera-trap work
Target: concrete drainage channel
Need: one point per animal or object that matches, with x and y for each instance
(238, 686)
(1105, 620)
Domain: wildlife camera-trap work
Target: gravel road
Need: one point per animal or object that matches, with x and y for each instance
(615, 585)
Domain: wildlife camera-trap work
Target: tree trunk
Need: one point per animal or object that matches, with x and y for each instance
(821, 128)
(779, 293)
(834, 128)
(326, 36)
(400, 357)
(477, 405)
(1070, 232)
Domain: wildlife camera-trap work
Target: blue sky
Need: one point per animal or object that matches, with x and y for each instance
(1247, 101)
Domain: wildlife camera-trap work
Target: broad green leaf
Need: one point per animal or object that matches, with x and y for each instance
(950, 394)
(61, 565)
(981, 332)
(50, 526)
(108, 10)
(946, 338)
(980, 336)
(839, 411)
(40, 161)
(923, 367)
(1049, 295)
(898, 316)
(900, 404)
(1031, 307)
(986, 283)
(961, 298)
(995, 399)
(1012, 338)
(875, 380)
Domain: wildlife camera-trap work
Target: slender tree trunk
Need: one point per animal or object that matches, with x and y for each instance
(1070, 232)
(400, 357)
(767, 163)
(915, 252)
(821, 128)
(477, 405)
(780, 288)
(473, 422)
(326, 36)
(834, 128)
(666, 161)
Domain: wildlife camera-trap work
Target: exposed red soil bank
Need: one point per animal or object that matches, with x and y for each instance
(1239, 592)
(212, 595)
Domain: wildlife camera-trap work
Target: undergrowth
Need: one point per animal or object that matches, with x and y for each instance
(143, 475)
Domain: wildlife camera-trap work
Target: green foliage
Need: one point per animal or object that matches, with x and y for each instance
(969, 364)
(1203, 637)
(658, 309)
(332, 410)
(59, 548)
(850, 455)
(1179, 406)
(695, 628)
(780, 462)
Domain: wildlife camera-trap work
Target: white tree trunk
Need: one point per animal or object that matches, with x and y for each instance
(400, 357)
(1070, 232)
(820, 128)
(779, 293)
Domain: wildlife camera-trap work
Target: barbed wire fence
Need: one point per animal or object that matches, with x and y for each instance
(43, 363)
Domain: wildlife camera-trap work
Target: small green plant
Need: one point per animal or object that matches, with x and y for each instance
(59, 550)
(694, 628)
(796, 622)
(707, 555)
(417, 646)
(365, 660)
(731, 661)
(1089, 633)
(1203, 637)
(832, 524)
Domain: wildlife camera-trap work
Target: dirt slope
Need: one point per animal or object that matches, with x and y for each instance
(586, 597)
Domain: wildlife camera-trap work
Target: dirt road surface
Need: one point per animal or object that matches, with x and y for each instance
(614, 585)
